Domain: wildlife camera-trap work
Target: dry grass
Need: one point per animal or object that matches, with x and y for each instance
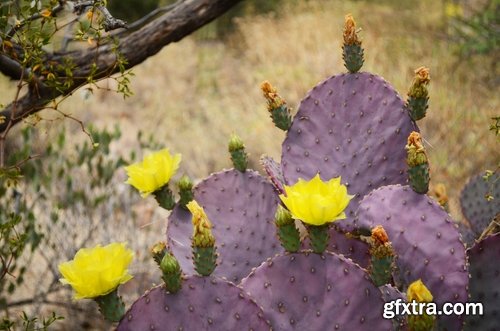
(194, 94)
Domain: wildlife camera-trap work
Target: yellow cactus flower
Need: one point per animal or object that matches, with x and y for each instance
(316, 202)
(97, 271)
(419, 292)
(153, 172)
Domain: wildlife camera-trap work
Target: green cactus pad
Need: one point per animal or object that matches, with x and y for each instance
(381, 269)
(281, 117)
(353, 56)
(289, 237)
(417, 107)
(204, 260)
(419, 178)
(318, 237)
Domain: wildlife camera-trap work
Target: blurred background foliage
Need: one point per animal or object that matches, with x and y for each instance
(68, 192)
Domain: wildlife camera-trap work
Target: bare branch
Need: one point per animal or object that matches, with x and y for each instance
(183, 19)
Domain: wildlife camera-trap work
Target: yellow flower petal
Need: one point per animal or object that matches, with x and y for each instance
(316, 202)
(97, 271)
(153, 172)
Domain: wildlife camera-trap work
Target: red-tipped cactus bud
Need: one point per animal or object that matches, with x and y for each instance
(353, 53)
(418, 96)
(379, 235)
(276, 106)
(382, 256)
(350, 33)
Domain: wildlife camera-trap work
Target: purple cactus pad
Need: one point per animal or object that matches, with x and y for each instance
(274, 172)
(203, 303)
(390, 293)
(484, 258)
(426, 241)
(241, 207)
(307, 291)
(352, 125)
(475, 207)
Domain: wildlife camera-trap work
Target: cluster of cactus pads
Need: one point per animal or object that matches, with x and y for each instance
(356, 126)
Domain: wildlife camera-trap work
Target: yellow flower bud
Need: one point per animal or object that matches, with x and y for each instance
(202, 228)
(419, 292)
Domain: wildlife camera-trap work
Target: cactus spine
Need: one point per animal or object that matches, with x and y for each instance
(418, 172)
(352, 52)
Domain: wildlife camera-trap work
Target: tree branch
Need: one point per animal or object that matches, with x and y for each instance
(184, 18)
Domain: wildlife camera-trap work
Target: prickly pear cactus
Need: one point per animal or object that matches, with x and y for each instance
(351, 125)
(426, 242)
(390, 293)
(241, 207)
(274, 173)
(203, 303)
(352, 248)
(307, 291)
(484, 268)
(475, 207)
